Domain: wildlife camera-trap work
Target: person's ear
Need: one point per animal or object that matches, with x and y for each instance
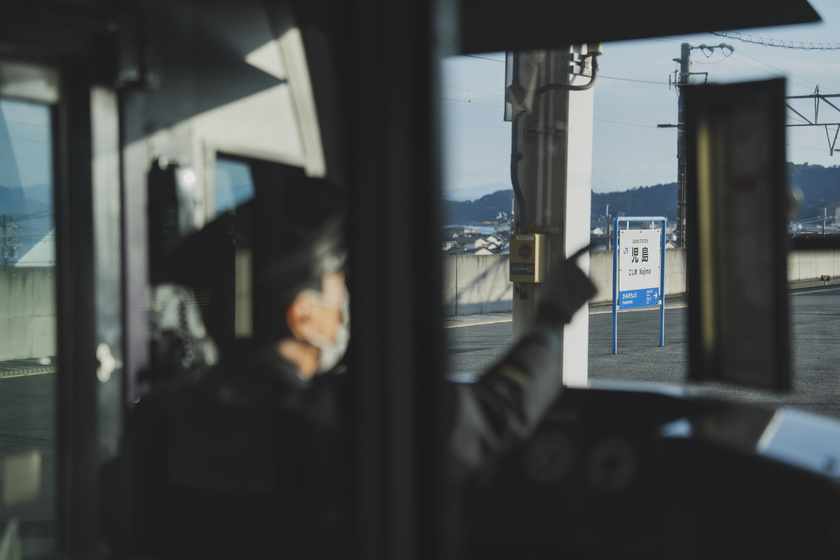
(299, 318)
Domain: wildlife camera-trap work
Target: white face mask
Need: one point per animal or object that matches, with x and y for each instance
(333, 351)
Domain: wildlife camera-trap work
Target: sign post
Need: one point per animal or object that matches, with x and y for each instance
(638, 270)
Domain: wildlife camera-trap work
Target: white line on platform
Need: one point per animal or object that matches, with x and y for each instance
(608, 309)
(11, 374)
(592, 311)
(809, 292)
(479, 322)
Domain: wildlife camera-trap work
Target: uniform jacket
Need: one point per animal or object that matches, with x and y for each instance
(250, 460)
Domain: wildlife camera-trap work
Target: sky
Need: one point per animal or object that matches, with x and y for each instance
(632, 96)
(25, 148)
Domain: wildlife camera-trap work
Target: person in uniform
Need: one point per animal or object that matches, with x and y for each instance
(250, 458)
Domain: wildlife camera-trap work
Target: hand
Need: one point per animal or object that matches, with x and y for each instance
(565, 291)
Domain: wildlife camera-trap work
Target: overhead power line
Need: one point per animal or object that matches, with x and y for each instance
(473, 102)
(484, 58)
(633, 80)
(813, 149)
(41, 215)
(471, 90)
(624, 123)
(764, 42)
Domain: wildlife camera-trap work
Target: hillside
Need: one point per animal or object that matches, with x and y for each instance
(820, 188)
(658, 200)
(484, 209)
(642, 201)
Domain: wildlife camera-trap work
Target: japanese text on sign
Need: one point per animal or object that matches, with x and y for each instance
(639, 267)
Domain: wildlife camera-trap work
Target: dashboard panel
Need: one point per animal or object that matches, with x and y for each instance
(636, 471)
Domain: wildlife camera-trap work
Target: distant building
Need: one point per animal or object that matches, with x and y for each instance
(466, 241)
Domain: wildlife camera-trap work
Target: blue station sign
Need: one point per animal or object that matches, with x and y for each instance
(638, 269)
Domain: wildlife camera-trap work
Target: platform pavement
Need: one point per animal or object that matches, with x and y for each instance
(673, 301)
(38, 366)
(21, 368)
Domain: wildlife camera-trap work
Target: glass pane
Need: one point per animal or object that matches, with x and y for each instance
(633, 178)
(478, 214)
(234, 184)
(27, 329)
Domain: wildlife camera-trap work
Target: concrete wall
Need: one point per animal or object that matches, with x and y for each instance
(476, 284)
(27, 313)
(471, 284)
(810, 265)
(479, 284)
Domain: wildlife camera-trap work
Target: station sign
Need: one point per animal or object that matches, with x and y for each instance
(639, 268)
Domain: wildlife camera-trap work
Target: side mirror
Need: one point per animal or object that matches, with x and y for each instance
(737, 202)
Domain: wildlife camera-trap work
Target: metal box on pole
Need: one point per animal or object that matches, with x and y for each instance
(527, 257)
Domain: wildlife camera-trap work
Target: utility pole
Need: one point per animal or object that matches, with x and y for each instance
(685, 73)
(9, 250)
(683, 77)
(551, 169)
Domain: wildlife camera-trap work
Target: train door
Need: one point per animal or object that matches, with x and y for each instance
(61, 306)
(28, 349)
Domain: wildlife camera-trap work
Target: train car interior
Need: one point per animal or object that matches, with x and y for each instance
(156, 145)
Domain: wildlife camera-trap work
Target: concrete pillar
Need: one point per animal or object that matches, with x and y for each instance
(555, 172)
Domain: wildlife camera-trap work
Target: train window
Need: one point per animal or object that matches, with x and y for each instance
(479, 204)
(251, 198)
(28, 326)
(517, 195)
(476, 163)
(810, 273)
(234, 184)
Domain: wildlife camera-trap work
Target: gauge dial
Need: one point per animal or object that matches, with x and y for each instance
(612, 464)
(548, 457)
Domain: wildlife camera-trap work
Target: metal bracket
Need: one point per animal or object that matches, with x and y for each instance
(533, 131)
(818, 99)
(138, 63)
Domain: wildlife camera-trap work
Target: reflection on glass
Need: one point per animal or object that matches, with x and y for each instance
(234, 184)
(27, 329)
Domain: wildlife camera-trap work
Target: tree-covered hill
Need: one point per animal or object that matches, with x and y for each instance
(658, 200)
(820, 188)
(484, 209)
